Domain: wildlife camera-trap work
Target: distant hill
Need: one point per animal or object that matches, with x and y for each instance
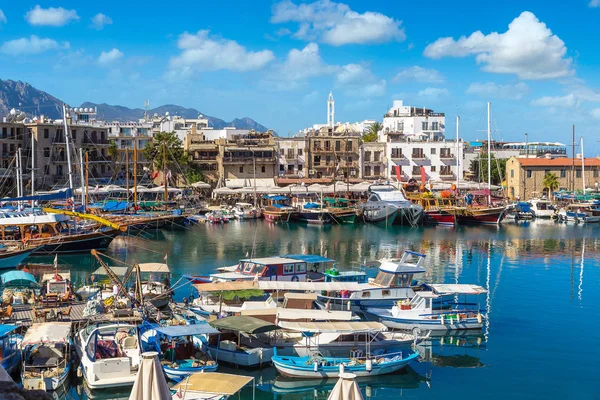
(23, 96)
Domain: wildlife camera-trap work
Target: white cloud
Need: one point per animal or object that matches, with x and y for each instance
(374, 89)
(283, 32)
(352, 74)
(199, 52)
(31, 45)
(2, 17)
(106, 58)
(594, 3)
(432, 93)
(419, 74)
(492, 89)
(100, 20)
(568, 100)
(336, 24)
(527, 49)
(595, 113)
(50, 16)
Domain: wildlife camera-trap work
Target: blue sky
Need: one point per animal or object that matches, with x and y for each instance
(277, 61)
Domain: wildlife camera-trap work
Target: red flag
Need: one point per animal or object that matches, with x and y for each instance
(423, 175)
(398, 169)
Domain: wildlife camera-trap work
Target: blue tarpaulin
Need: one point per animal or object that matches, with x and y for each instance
(276, 198)
(186, 330)
(6, 328)
(312, 205)
(309, 258)
(58, 195)
(18, 278)
(115, 205)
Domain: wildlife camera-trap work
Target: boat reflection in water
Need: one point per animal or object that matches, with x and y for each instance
(461, 350)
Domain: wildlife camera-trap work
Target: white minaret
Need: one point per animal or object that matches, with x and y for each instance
(330, 111)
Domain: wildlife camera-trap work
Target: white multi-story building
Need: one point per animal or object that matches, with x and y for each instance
(124, 134)
(181, 126)
(416, 147)
(414, 123)
(292, 157)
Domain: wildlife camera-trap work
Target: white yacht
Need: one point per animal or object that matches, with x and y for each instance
(386, 204)
(542, 208)
(246, 211)
(110, 355)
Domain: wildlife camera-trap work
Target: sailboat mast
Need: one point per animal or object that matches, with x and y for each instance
(19, 179)
(87, 179)
(134, 173)
(32, 167)
(67, 149)
(82, 178)
(127, 170)
(489, 155)
(457, 154)
(582, 169)
(165, 171)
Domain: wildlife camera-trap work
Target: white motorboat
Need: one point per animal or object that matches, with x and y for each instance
(110, 355)
(420, 313)
(46, 356)
(586, 213)
(246, 211)
(388, 205)
(392, 283)
(542, 208)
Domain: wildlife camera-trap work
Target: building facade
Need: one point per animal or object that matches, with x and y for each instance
(525, 176)
(373, 161)
(292, 157)
(413, 122)
(333, 154)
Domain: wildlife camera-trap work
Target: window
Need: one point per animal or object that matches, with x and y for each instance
(299, 152)
(299, 167)
(424, 125)
(327, 145)
(46, 133)
(433, 150)
(291, 168)
(433, 168)
(46, 152)
(366, 294)
(376, 156)
(385, 292)
(262, 169)
(300, 268)
(349, 146)
(377, 171)
(563, 173)
(241, 170)
(317, 161)
(445, 170)
(418, 153)
(367, 156)
(281, 167)
(396, 153)
(288, 269)
(435, 126)
(74, 134)
(416, 170)
(578, 173)
(546, 172)
(367, 171)
(290, 154)
(595, 172)
(529, 173)
(338, 145)
(512, 173)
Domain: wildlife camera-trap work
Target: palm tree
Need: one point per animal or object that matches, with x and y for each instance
(550, 181)
(372, 132)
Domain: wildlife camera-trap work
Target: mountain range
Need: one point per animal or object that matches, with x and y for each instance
(23, 96)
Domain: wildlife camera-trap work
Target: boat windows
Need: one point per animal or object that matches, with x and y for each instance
(385, 293)
(404, 280)
(288, 268)
(366, 294)
(384, 279)
(300, 268)
(57, 287)
(259, 270)
(248, 267)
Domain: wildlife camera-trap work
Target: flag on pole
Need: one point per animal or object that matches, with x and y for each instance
(55, 261)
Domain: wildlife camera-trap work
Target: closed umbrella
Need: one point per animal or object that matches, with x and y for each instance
(150, 383)
(346, 388)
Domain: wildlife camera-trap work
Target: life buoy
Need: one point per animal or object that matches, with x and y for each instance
(295, 278)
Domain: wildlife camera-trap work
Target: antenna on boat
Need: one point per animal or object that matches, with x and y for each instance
(489, 155)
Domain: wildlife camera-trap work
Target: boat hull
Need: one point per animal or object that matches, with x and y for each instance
(252, 358)
(440, 217)
(433, 325)
(312, 218)
(296, 367)
(48, 384)
(13, 259)
(177, 374)
(82, 243)
(488, 216)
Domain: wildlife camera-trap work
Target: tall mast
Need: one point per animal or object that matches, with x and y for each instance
(127, 170)
(457, 154)
(87, 180)
(165, 171)
(582, 169)
(82, 178)
(67, 149)
(489, 157)
(573, 160)
(32, 166)
(19, 179)
(134, 173)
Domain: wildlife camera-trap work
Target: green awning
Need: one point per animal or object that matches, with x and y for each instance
(243, 323)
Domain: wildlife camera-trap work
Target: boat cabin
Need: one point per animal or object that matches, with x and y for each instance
(399, 273)
(335, 275)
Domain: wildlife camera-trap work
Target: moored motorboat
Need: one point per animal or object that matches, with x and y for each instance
(10, 347)
(12, 256)
(246, 211)
(388, 205)
(542, 208)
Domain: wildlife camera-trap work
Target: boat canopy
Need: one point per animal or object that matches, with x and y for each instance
(48, 332)
(333, 327)
(18, 279)
(6, 329)
(270, 260)
(445, 289)
(309, 258)
(63, 275)
(62, 194)
(154, 267)
(186, 330)
(213, 382)
(119, 271)
(281, 285)
(323, 315)
(244, 323)
(300, 296)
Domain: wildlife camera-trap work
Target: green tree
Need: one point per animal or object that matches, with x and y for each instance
(193, 174)
(167, 146)
(550, 181)
(372, 133)
(113, 150)
(479, 169)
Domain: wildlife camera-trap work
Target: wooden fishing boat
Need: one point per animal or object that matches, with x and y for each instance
(277, 209)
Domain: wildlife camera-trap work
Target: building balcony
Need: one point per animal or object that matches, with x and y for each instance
(447, 176)
(374, 177)
(205, 158)
(419, 157)
(245, 160)
(398, 157)
(380, 161)
(447, 157)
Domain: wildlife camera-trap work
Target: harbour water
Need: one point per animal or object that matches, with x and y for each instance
(543, 303)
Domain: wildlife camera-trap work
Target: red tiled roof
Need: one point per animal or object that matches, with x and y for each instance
(557, 162)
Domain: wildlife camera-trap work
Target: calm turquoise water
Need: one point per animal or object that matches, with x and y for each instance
(542, 338)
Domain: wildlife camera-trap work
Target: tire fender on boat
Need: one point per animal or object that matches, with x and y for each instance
(295, 278)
